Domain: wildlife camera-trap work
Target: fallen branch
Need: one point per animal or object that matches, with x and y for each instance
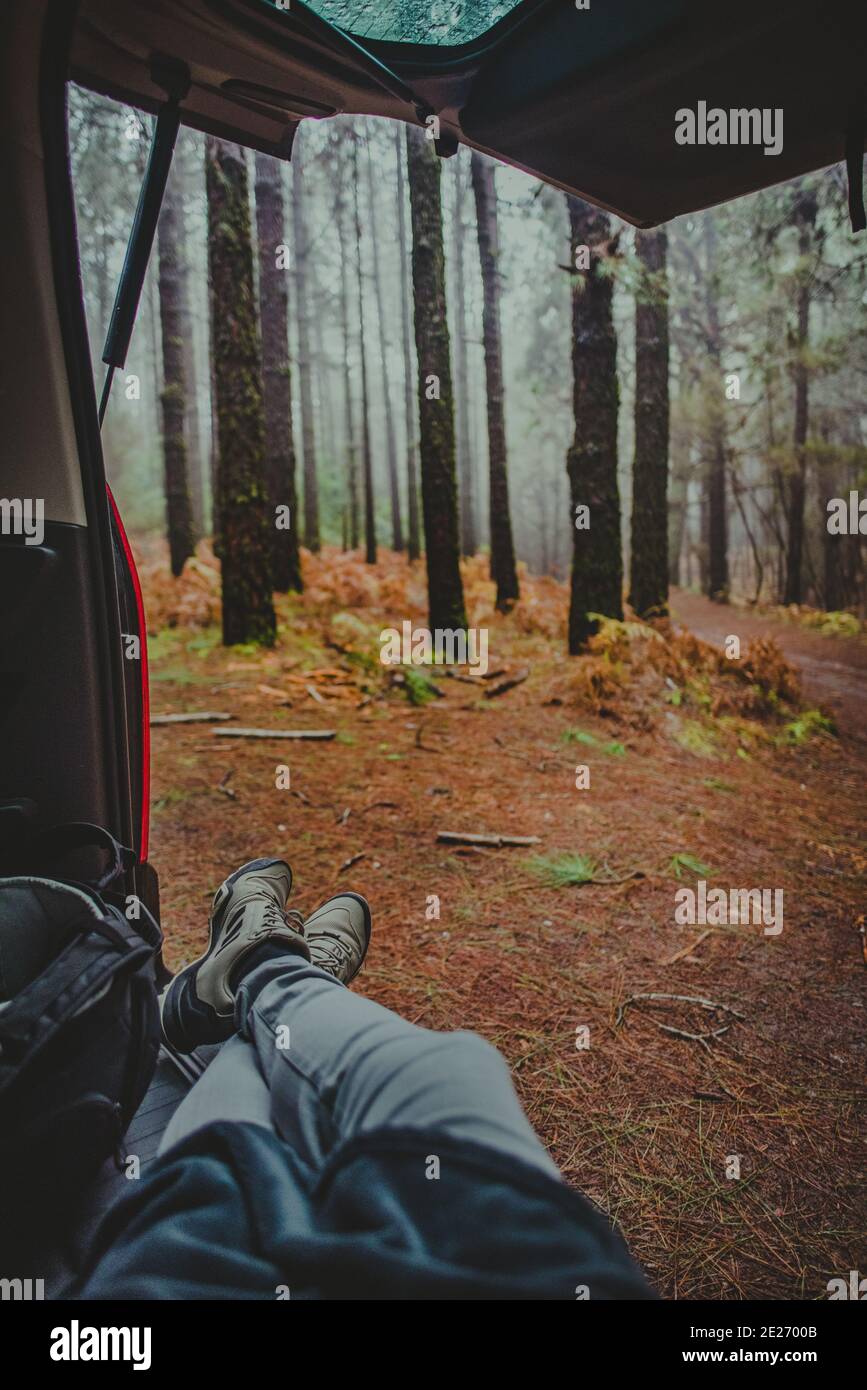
(274, 693)
(322, 734)
(453, 837)
(459, 676)
(223, 786)
(348, 863)
(508, 684)
(196, 718)
(697, 999)
(393, 805)
(687, 950)
(423, 746)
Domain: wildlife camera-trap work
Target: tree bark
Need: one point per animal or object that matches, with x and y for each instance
(303, 268)
(597, 559)
(648, 590)
(717, 581)
(366, 454)
(436, 401)
(195, 456)
(806, 209)
(391, 445)
(469, 539)
(349, 423)
(241, 501)
(678, 494)
(179, 515)
(503, 570)
(410, 397)
(276, 379)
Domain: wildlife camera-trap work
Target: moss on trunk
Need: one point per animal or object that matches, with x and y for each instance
(242, 503)
(597, 559)
(436, 402)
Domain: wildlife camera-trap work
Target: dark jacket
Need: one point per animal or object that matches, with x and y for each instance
(231, 1213)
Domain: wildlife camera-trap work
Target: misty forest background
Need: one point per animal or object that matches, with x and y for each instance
(700, 388)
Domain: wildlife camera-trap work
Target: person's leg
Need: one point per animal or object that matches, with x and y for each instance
(338, 1065)
(231, 1088)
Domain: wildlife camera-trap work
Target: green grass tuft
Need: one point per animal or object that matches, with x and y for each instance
(564, 870)
(681, 864)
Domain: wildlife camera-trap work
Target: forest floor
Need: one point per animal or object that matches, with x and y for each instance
(695, 772)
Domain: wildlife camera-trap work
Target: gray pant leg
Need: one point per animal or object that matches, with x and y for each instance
(338, 1065)
(232, 1088)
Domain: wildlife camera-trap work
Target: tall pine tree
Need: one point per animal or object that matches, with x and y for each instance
(242, 514)
(436, 402)
(648, 590)
(179, 513)
(503, 570)
(277, 385)
(597, 558)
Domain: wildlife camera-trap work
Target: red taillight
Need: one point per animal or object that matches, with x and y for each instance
(145, 694)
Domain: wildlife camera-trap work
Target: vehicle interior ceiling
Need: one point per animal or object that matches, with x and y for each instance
(583, 99)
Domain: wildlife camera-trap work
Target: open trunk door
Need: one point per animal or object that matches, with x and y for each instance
(586, 96)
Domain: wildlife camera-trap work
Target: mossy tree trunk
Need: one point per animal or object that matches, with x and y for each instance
(503, 570)
(597, 559)
(179, 513)
(410, 396)
(244, 518)
(276, 379)
(436, 402)
(648, 590)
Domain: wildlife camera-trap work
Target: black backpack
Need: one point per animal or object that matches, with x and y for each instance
(79, 1021)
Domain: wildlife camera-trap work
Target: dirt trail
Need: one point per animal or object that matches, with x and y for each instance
(833, 669)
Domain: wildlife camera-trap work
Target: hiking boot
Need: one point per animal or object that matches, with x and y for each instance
(338, 935)
(198, 1006)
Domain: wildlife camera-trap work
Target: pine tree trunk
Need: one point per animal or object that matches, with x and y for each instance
(391, 445)
(436, 400)
(597, 560)
(241, 501)
(677, 502)
(179, 515)
(303, 270)
(717, 583)
(366, 453)
(276, 380)
(648, 592)
(349, 423)
(503, 570)
(469, 540)
(410, 398)
(805, 220)
(195, 457)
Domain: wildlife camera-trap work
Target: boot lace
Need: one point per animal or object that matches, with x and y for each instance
(330, 953)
